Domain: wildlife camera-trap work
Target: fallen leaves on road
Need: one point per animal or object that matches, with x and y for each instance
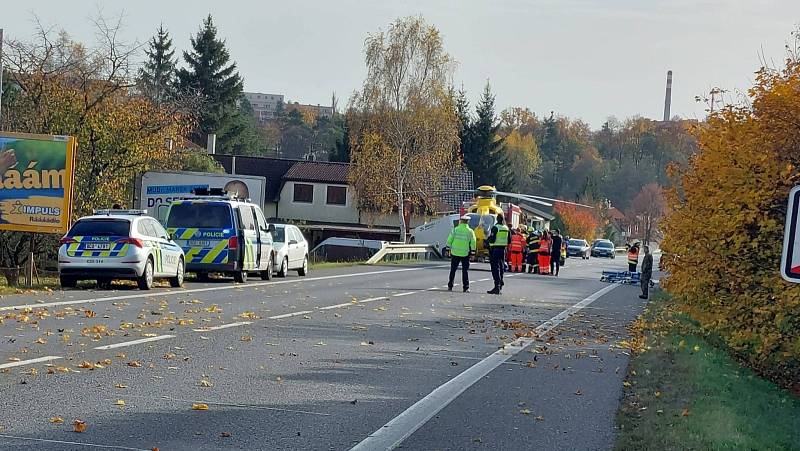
(225, 434)
(56, 420)
(578, 392)
(120, 386)
(79, 426)
(246, 338)
(169, 356)
(525, 411)
(40, 341)
(199, 406)
(89, 313)
(247, 314)
(120, 402)
(539, 418)
(205, 383)
(135, 364)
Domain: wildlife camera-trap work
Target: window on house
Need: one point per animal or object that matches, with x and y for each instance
(337, 195)
(303, 193)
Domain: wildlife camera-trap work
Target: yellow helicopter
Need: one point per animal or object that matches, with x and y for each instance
(483, 213)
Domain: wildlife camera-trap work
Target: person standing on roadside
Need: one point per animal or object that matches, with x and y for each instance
(498, 241)
(647, 272)
(544, 254)
(461, 243)
(633, 257)
(555, 252)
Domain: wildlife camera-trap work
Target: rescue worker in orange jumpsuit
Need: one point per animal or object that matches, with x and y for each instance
(515, 249)
(544, 254)
(633, 257)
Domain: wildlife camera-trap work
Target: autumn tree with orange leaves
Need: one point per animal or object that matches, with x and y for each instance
(725, 223)
(580, 222)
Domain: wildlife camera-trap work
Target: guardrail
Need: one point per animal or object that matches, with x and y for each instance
(398, 248)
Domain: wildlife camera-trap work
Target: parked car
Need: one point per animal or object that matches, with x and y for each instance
(119, 244)
(603, 248)
(578, 248)
(291, 250)
(222, 234)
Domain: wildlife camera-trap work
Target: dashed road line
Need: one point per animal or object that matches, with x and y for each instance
(65, 442)
(209, 289)
(29, 362)
(223, 326)
(133, 342)
(393, 433)
(350, 304)
(289, 315)
(406, 293)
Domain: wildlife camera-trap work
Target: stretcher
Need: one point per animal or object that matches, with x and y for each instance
(625, 277)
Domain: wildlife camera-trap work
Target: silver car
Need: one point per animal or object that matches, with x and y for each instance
(291, 250)
(119, 244)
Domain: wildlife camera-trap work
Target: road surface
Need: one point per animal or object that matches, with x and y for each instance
(363, 357)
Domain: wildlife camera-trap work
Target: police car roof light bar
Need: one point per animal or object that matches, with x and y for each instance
(109, 212)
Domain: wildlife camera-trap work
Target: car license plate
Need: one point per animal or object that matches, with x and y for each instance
(97, 246)
(199, 243)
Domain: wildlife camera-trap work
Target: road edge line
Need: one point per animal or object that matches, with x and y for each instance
(397, 430)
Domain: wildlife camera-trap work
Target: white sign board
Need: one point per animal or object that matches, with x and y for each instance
(157, 190)
(790, 259)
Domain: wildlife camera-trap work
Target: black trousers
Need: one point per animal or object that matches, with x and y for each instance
(497, 259)
(555, 262)
(645, 286)
(454, 261)
(631, 267)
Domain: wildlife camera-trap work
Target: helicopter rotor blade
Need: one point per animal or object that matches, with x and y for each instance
(524, 197)
(531, 196)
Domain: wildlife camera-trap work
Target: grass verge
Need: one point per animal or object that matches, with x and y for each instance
(682, 393)
(44, 284)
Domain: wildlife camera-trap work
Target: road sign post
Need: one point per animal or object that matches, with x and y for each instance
(790, 258)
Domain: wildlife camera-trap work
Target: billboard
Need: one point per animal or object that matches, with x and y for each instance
(790, 259)
(156, 190)
(36, 177)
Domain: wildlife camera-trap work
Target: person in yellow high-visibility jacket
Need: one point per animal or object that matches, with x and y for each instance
(462, 244)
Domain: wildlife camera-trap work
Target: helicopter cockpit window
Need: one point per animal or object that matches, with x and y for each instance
(487, 222)
(474, 220)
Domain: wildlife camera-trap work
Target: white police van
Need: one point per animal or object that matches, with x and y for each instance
(220, 233)
(119, 244)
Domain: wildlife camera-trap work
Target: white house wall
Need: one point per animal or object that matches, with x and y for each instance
(320, 211)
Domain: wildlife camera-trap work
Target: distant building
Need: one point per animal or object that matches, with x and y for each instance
(264, 105)
(318, 110)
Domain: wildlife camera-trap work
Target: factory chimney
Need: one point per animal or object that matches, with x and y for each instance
(668, 97)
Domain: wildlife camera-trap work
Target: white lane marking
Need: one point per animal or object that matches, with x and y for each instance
(133, 342)
(407, 293)
(204, 290)
(393, 433)
(289, 315)
(29, 362)
(64, 442)
(349, 304)
(224, 326)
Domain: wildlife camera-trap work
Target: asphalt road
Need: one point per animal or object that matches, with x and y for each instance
(364, 357)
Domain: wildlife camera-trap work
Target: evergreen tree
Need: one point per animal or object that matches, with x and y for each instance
(483, 149)
(341, 150)
(217, 81)
(462, 110)
(157, 77)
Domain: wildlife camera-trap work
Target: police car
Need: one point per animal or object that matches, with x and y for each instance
(119, 244)
(220, 233)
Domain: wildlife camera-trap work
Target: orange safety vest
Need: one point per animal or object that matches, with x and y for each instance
(544, 246)
(517, 243)
(633, 256)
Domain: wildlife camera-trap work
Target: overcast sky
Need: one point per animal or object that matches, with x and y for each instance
(584, 59)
